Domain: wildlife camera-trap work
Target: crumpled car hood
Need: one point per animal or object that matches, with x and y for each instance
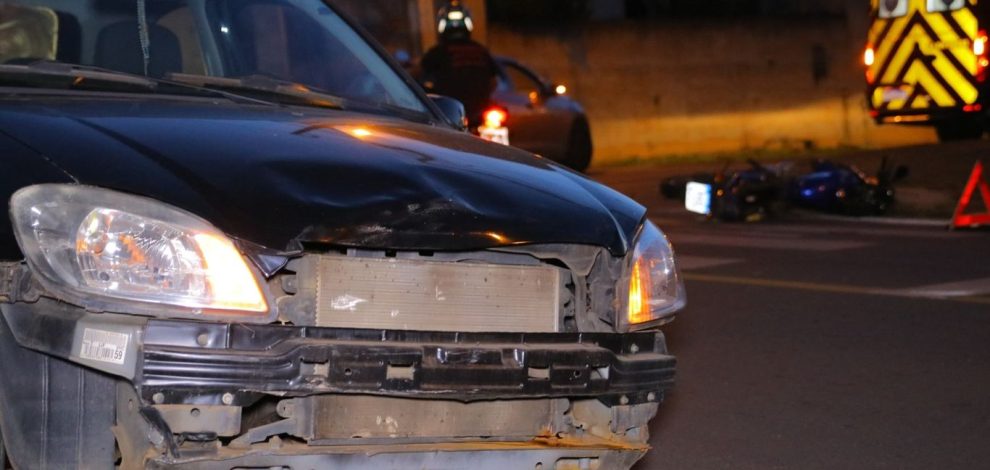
(278, 177)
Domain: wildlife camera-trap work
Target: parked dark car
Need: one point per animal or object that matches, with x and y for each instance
(240, 237)
(542, 118)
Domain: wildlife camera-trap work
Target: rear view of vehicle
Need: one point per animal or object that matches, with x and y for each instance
(926, 64)
(542, 118)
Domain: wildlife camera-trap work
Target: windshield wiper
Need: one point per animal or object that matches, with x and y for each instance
(62, 75)
(263, 87)
(291, 93)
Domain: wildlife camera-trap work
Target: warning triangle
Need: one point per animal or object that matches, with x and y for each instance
(964, 216)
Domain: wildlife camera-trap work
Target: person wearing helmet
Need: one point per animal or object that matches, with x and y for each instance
(458, 66)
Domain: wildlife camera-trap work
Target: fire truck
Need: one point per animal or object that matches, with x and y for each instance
(926, 64)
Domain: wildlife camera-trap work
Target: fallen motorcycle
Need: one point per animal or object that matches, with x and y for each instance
(761, 191)
(748, 195)
(844, 189)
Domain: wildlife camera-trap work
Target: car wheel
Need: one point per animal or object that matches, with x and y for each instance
(959, 129)
(579, 147)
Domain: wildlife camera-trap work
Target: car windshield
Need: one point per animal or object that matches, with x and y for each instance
(266, 45)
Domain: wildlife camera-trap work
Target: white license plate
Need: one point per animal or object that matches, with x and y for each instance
(499, 135)
(698, 198)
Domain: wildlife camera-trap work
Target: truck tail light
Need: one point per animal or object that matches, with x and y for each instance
(869, 58)
(980, 51)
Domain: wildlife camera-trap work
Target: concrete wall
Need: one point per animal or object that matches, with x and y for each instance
(700, 86)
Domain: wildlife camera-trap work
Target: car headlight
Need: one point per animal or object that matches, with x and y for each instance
(653, 289)
(106, 250)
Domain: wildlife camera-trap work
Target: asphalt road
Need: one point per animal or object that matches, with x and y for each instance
(823, 344)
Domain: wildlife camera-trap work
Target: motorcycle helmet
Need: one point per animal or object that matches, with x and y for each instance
(454, 21)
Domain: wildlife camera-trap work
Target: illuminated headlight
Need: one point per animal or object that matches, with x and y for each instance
(652, 286)
(111, 251)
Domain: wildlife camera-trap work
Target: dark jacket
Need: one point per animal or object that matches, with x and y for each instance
(464, 70)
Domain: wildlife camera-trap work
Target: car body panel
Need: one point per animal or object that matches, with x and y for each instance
(280, 176)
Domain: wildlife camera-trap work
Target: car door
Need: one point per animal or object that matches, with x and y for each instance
(533, 125)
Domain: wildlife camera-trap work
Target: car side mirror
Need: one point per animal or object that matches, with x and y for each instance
(452, 109)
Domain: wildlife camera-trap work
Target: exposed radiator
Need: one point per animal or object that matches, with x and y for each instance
(401, 294)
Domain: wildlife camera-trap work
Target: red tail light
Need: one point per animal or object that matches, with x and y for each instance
(496, 117)
(980, 50)
(980, 43)
(869, 57)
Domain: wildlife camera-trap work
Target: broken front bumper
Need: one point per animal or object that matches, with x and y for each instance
(475, 456)
(187, 362)
(189, 394)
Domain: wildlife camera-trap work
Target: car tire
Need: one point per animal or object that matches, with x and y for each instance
(3, 453)
(579, 147)
(35, 399)
(960, 129)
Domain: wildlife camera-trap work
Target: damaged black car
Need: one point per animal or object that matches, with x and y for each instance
(240, 237)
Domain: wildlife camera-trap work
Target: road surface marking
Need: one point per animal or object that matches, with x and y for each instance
(824, 287)
(877, 220)
(691, 263)
(798, 230)
(859, 231)
(802, 228)
(799, 244)
(971, 288)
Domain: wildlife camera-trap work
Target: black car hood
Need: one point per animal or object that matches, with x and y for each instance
(284, 177)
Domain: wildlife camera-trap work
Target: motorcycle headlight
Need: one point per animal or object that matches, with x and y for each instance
(653, 288)
(106, 250)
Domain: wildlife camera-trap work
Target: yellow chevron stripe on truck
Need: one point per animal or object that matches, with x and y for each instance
(920, 59)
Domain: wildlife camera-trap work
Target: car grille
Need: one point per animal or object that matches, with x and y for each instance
(405, 294)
